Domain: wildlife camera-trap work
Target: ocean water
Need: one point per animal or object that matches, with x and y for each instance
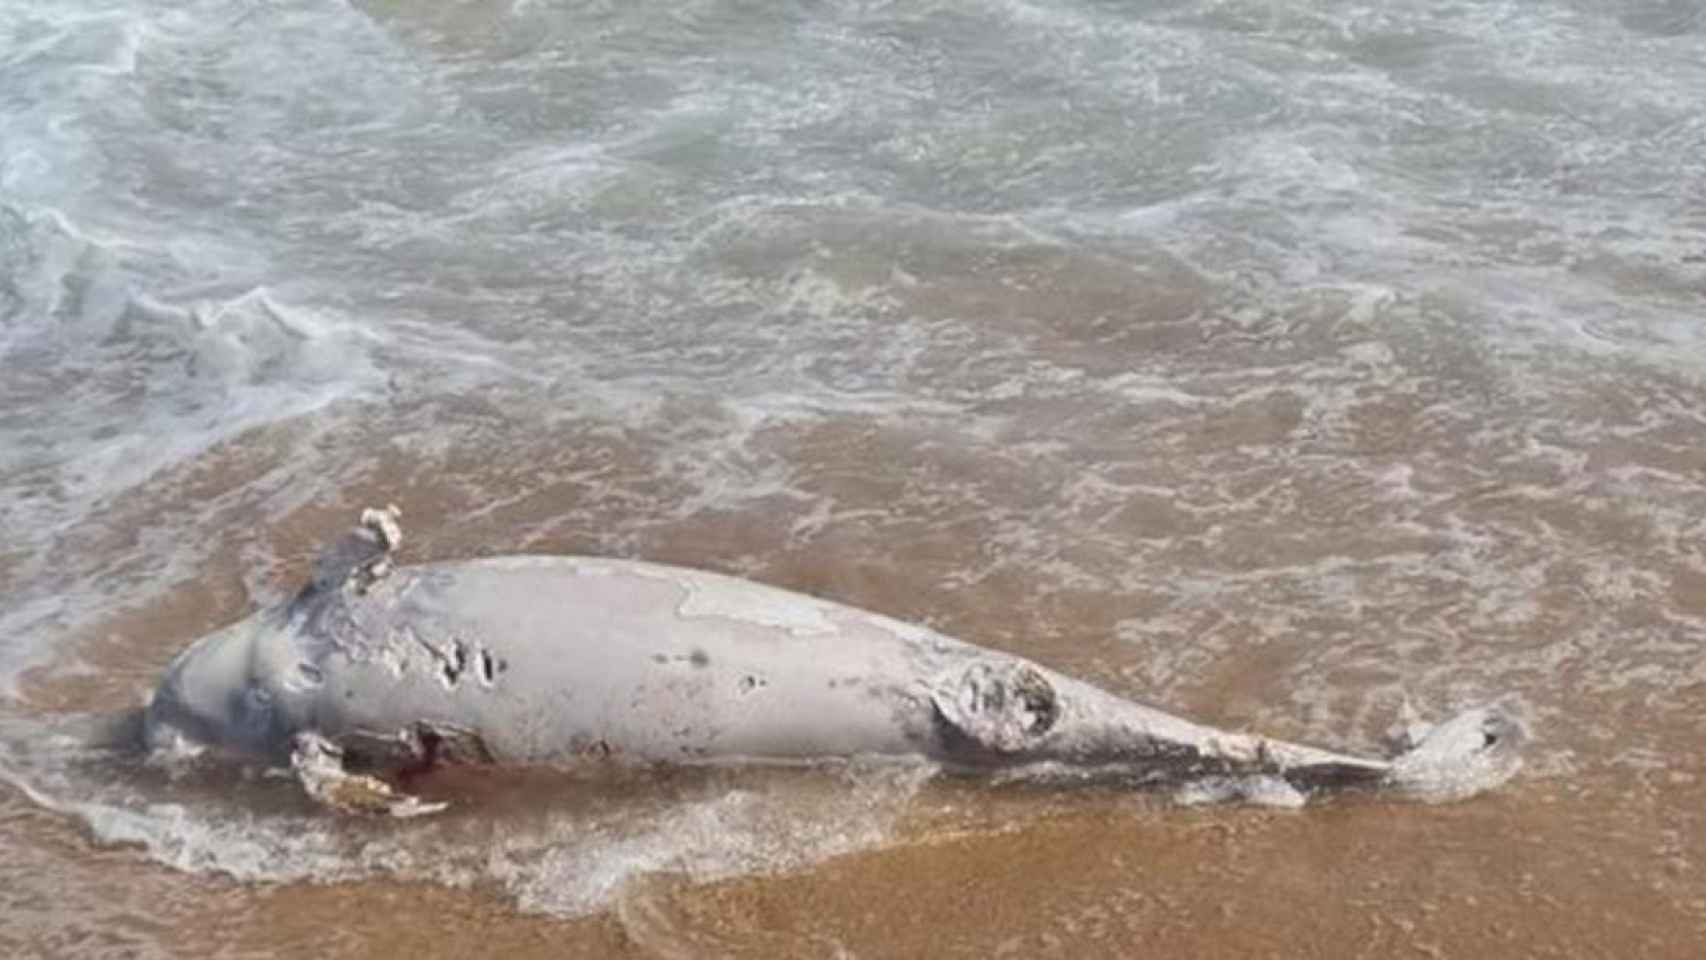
(1280, 363)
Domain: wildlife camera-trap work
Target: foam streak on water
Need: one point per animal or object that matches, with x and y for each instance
(1277, 363)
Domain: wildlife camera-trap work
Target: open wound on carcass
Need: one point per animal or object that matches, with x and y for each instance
(1002, 706)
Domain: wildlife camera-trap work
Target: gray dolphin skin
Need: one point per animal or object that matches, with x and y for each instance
(372, 669)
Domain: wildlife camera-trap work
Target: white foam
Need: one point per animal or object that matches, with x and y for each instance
(588, 865)
(564, 860)
(1258, 791)
(112, 385)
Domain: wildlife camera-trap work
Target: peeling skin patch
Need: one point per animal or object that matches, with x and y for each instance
(713, 595)
(708, 596)
(704, 594)
(392, 657)
(452, 659)
(1002, 706)
(309, 676)
(455, 661)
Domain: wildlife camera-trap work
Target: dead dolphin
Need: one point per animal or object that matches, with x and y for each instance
(543, 659)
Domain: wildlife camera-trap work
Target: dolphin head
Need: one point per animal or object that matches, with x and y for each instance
(211, 695)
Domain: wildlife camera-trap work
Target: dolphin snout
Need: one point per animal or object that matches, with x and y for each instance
(204, 695)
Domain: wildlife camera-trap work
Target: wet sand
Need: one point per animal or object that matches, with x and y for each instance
(1590, 853)
(1536, 872)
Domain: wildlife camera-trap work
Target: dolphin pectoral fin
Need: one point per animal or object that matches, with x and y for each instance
(319, 765)
(1002, 707)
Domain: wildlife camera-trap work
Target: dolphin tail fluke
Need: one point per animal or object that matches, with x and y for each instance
(1471, 753)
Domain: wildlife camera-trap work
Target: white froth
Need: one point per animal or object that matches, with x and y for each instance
(1258, 791)
(564, 861)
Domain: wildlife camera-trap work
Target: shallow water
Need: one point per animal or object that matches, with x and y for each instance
(1273, 363)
